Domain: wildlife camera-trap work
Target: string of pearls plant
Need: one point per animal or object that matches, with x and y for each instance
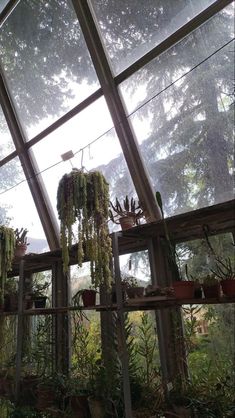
(7, 252)
(83, 203)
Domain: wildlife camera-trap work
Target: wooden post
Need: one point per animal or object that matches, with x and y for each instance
(61, 322)
(169, 322)
(121, 329)
(19, 331)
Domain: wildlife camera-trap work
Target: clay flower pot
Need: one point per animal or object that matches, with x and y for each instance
(20, 250)
(135, 292)
(127, 222)
(88, 297)
(184, 289)
(228, 287)
(212, 291)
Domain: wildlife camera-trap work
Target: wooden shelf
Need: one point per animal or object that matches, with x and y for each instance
(187, 226)
(145, 303)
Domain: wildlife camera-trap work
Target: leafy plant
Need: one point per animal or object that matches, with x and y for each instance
(83, 199)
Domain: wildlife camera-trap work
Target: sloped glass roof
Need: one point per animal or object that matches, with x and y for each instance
(87, 83)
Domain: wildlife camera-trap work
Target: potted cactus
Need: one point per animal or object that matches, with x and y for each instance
(127, 214)
(183, 289)
(21, 242)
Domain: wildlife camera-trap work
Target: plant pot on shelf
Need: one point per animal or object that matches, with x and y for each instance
(79, 406)
(20, 250)
(45, 397)
(135, 292)
(228, 287)
(212, 291)
(184, 289)
(96, 407)
(88, 297)
(127, 222)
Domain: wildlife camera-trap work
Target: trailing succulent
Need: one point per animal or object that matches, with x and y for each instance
(7, 249)
(83, 201)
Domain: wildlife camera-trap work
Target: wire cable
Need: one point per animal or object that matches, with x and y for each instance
(128, 116)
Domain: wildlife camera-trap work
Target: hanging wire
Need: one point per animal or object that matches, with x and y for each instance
(128, 116)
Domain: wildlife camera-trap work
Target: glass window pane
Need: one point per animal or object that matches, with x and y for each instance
(6, 143)
(3, 4)
(131, 28)
(104, 152)
(14, 211)
(182, 115)
(46, 62)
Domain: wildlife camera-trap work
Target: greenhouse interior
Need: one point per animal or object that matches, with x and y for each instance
(117, 278)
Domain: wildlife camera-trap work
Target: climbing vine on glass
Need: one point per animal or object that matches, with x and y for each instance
(82, 202)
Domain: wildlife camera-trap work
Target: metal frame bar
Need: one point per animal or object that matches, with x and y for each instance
(7, 10)
(174, 38)
(30, 169)
(126, 136)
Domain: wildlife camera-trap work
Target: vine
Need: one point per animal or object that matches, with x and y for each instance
(83, 201)
(7, 250)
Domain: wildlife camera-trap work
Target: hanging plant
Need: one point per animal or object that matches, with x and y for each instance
(7, 250)
(83, 201)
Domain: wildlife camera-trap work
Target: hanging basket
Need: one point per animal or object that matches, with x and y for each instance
(82, 204)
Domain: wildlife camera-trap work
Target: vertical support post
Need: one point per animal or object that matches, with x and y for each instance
(121, 328)
(19, 343)
(169, 322)
(61, 322)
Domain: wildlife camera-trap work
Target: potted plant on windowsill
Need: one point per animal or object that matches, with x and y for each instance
(183, 289)
(133, 290)
(82, 204)
(38, 294)
(225, 271)
(21, 242)
(211, 286)
(88, 297)
(127, 214)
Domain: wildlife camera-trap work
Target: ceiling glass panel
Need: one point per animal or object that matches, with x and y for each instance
(14, 211)
(3, 4)
(131, 28)
(6, 143)
(183, 117)
(47, 65)
(104, 152)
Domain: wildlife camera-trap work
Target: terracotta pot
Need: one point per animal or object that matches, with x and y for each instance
(228, 287)
(135, 292)
(20, 250)
(96, 408)
(127, 222)
(184, 289)
(211, 291)
(45, 398)
(182, 411)
(88, 297)
(79, 406)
